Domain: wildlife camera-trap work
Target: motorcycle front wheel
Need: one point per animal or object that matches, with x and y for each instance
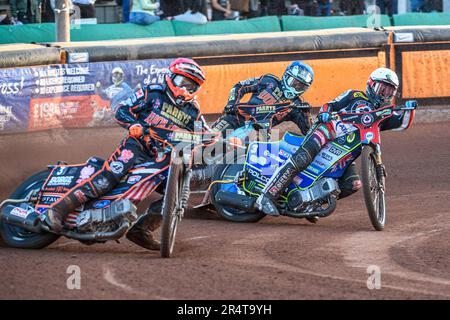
(374, 189)
(171, 209)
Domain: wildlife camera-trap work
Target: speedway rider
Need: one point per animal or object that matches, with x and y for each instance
(269, 90)
(381, 88)
(172, 106)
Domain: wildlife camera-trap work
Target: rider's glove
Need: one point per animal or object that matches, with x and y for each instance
(229, 108)
(136, 130)
(324, 117)
(303, 105)
(411, 104)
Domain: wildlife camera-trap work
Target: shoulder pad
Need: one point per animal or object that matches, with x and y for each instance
(271, 77)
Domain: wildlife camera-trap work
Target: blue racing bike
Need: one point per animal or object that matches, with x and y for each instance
(315, 191)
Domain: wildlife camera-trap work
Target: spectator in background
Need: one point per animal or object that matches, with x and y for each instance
(194, 12)
(433, 5)
(264, 7)
(417, 5)
(195, 6)
(48, 14)
(391, 6)
(305, 5)
(126, 7)
(5, 19)
(221, 9)
(254, 9)
(324, 7)
(143, 12)
(295, 10)
(19, 10)
(354, 7)
(171, 8)
(276, 8)
(86, 7)
(241, 6)
(34, 9)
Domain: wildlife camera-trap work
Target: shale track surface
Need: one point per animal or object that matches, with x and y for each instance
(276, 258)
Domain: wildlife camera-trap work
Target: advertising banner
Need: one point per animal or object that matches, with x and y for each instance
(75, 95)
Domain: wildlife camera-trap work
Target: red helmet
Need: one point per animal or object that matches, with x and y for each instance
(185, 80)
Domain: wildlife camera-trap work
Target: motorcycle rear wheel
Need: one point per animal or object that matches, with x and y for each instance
(171, 209)
(231, 214)
(17, 237)
(374, 196)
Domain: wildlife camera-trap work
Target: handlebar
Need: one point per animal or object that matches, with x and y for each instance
(369, 117)
(403, 108)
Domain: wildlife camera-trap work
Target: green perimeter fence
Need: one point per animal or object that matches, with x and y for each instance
(38, 33)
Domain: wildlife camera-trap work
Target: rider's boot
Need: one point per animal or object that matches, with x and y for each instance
(55, 215)
(142, 231)
(313, 219)
(350, 182)
(275, 187)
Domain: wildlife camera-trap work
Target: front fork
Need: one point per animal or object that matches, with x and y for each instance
(185, 192)
(380, 168)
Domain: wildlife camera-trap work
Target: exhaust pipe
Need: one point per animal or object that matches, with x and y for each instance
(99, 236)
(234, 200)
(23, 216)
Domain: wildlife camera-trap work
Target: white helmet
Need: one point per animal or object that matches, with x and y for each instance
(382, 86)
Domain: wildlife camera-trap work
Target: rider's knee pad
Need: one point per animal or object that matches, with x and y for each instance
(104, 181)
(301, 159)
(305, 154)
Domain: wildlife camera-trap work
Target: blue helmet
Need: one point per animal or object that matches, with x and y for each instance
(297, 78)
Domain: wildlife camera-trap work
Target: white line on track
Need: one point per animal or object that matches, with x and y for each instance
(256, 242)
(357, 255)
(196, 238)
(290, 268)
(108, 275)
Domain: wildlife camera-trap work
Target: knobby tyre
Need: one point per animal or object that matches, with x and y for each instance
(171, 208)
(373, 189)
(227, 172)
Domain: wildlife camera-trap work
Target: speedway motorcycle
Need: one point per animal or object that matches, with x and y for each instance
(111, 215)
(176, 196)
(257, 125)
(314, 192)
